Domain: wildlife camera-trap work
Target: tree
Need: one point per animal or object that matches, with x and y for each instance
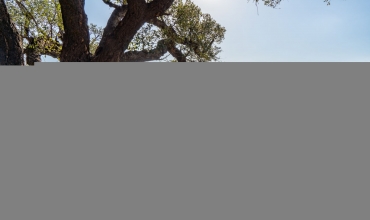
(137, 30)
(42, 30)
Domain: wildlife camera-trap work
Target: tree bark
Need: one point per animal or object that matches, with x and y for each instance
(32, 56)
(76, 38)
(146, 55)
(117, 42)
(10, 40)
(163, 46)
(117, 15)
(138, 12)
(176, 53)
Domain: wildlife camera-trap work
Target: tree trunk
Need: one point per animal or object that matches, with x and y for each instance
(76, 38)
(10, 40)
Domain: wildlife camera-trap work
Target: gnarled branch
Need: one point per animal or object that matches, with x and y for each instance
(117, 15)
(173, 35)
(138, 12)
(163, 46)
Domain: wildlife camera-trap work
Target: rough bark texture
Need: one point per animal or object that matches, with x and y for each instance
(145, 55)
(138, 12)
(76, 38)
(116, 42)
(117, 15)
(10, 40)
(32, 56)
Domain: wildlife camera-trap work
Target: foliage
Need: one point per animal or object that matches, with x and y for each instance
(36, 22)
(96, 34)
(42, 20)
(192, 27)
(194, 32)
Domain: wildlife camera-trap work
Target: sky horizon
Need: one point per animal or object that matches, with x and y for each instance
(296, 31)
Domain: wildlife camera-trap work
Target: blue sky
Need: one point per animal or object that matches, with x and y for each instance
(299, 31)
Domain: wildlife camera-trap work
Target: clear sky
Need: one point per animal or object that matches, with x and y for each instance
(299, 31)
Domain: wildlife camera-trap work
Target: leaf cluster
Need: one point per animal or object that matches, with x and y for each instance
(41, 27)
(196, 32)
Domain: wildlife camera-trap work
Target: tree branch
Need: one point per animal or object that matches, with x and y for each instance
(176, 53)
(113, 45)
(110, 4)
(117, 15)
(145, 55)
(42, 45)
(138, 12)
(173, 35)
(163, 46)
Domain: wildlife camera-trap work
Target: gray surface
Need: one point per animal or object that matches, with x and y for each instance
(185, 146)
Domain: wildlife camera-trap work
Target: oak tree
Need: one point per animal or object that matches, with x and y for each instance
(136, 31)
(43, 33)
